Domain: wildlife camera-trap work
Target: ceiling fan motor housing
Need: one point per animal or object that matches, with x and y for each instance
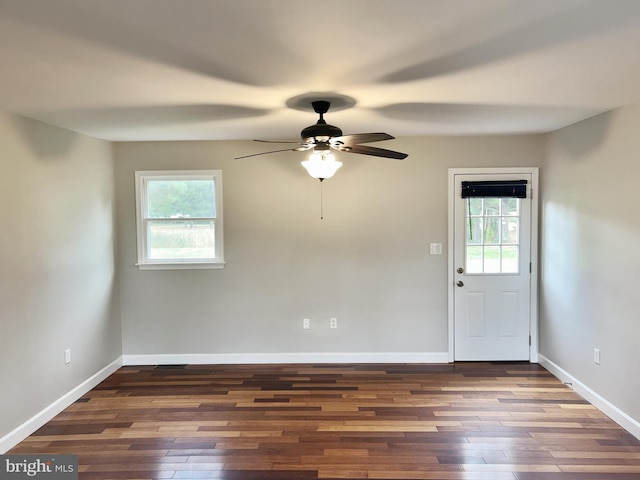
(321, 132)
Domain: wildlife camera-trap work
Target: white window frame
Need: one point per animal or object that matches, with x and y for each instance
(141, 180)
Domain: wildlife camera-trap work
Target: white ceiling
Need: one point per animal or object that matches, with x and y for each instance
(128, 70)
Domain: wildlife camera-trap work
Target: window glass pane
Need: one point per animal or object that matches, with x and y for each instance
(491, 259)
(510, 259)
(474, 231)
(181, 239)
(474, 259)
(492, 206)
(492, 230)
(475, 205)
(510, 234)
(510, 206)
(181, 199)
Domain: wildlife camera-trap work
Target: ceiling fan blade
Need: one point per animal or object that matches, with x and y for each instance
(276, 141)
(376, 152)
(357, 138)
(272, 151)
(301, 148)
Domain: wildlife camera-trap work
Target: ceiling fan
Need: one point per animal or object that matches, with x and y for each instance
(322, 138)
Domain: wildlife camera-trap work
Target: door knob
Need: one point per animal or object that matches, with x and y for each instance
(460, 283)
(460, 270)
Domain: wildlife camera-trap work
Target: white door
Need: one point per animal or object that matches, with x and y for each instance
(492, 271)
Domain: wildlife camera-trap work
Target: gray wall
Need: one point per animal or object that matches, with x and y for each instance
(590, 295)
(367, 263)
(58, 286)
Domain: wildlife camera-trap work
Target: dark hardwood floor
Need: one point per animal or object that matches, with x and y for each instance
(463, 421)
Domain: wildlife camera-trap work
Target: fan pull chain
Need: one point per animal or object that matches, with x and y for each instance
(321, 207)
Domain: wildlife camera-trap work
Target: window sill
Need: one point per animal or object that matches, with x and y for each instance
(180, 265)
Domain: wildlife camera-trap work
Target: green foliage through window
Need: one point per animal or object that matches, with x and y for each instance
(181, 199)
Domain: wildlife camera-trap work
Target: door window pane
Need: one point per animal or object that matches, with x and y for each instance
(510, 206)
(474, 259)
(510, 233)
(475, 206)
(491, 260)
(492, 231)
(474, 231)
(491, 206)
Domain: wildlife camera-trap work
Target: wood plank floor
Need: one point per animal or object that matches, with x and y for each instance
(463, 421)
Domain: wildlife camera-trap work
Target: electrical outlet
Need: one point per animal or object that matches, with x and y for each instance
(67, 356)
(306, 323)
(596, 356)
(333, 323)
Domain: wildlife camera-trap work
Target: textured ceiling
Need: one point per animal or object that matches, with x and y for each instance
(127, 70)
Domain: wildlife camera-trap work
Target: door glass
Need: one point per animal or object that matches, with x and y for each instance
(492, 228)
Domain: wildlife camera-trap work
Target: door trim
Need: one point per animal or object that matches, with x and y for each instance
(533, 306)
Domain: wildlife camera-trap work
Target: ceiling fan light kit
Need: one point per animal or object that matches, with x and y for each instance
(322, 165)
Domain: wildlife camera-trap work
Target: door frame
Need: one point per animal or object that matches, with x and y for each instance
(533, 305)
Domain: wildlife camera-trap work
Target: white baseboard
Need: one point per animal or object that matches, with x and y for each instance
(602, 404)
(265, 358)
(14, 437)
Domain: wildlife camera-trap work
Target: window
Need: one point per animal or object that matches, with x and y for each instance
(179, 219)
(492, 235)
(493, 225)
